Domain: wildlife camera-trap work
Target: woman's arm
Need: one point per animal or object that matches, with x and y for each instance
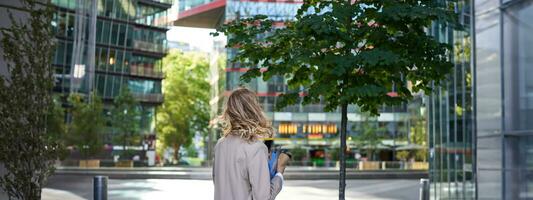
(262, 187)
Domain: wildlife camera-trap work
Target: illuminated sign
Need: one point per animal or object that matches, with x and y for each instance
(288, 128)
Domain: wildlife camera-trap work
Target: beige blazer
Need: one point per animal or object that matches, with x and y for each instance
(240, 171)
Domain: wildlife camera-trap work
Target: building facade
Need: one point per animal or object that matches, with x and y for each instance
(451, 116)
(105, 45)
(298, 126)
(480, 121)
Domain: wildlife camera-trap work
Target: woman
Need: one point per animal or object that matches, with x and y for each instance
(240, 169)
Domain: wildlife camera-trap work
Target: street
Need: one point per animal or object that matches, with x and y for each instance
(80, 187)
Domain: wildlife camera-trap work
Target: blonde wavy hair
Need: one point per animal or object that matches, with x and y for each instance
(244, 117)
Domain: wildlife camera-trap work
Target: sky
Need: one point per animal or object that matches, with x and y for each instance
(197, 37)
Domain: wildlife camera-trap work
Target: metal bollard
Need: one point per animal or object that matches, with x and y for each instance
(424, 189)
(100, 188)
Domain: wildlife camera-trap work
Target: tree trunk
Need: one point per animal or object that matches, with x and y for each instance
(124, 144)
(342, 159)
(176, 152)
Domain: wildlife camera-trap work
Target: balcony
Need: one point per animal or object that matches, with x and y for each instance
(145, 72)
(148, 46)
(164, 1)
(201, 13)
(149, 98)
(159, 3)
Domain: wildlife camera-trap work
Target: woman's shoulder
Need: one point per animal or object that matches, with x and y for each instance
(238, 141)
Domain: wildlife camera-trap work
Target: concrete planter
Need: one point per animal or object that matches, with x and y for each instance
(418, 165)
(369, 165)
(124, 163)
(89, 163)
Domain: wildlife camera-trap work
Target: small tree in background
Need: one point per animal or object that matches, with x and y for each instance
(185, 110)
(402, 155)
(368, 138)
(125, 120)
(347, 52)
(85, 129)
(55, 125)
(298, 153)
(27, 151)
(418, 130)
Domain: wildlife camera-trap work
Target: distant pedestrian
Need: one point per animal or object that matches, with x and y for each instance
(240, 169)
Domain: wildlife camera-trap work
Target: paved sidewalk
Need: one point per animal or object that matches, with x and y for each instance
(53, 194)
(172, 189)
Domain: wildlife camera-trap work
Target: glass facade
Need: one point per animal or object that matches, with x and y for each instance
(495, 115)
(129, 43)
(451, 116)
(518, 99)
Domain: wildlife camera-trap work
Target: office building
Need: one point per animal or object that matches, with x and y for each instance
(104, 45)
(480, 120)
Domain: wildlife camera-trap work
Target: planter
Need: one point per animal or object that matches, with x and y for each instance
(369, 165)
(89, 163)
(124, 163)
(418, 165)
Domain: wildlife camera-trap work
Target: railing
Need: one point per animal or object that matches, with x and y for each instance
(154, 98)
(164, 1)
(148, 46)
(366, 165)
(188, 4)
(145, 72)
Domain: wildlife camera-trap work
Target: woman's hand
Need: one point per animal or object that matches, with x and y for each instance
(283, 160)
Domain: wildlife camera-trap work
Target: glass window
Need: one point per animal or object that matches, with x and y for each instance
(122, 34)
(118, 9)
(99, 31)
(60, 53)
(68, 56)
(141, 86)
(103, 59)
(519, 66)
(109, 8)
(62, 23)
(127, 60)
(114, 33)
(109, 86)
(105, 32)
(100, 84)
(70, 25)
(519, 176)
(117, 83)
(112, 59)
(120, 61)
(130, 36)
(97, 60)
(101, 7)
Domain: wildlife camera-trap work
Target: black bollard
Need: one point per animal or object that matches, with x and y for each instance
(424, 189)
(100, 188)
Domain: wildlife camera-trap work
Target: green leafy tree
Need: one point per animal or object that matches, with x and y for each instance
(402, 155)
(27, 152)
(185, 110)
(56, 120)
(298, 153)
(419, 135)
(87, 124)
(191, 151)
(125, 121)
(55, 125)
(347, 52)
(368, 139)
